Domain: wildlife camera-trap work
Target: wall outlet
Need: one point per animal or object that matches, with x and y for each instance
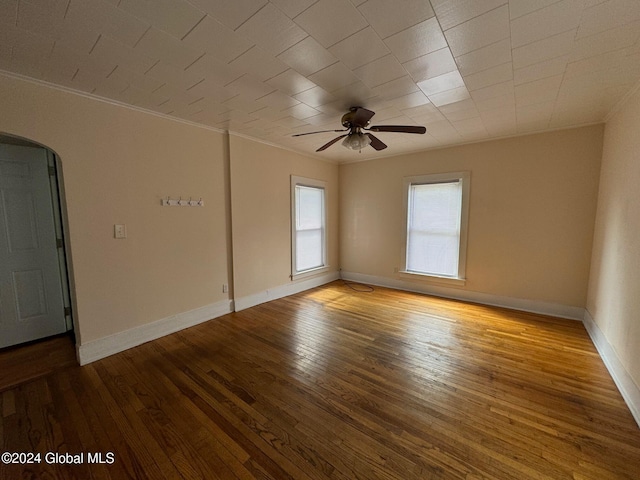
(120, 231)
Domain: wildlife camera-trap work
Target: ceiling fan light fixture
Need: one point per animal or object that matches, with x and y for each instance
(356, 141)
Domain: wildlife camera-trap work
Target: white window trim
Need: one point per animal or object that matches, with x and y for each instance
(307, 182)
(464, 178)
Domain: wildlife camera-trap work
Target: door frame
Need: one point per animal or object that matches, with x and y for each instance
(61, 226)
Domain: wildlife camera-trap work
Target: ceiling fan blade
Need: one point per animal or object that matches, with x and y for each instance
(319, 131)
(328, 144)
(397, 128)
(361, 117)
(376, 142)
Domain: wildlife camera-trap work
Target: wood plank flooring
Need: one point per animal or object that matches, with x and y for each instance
(336, 384)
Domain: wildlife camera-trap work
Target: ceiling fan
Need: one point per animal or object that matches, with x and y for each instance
(356, 122)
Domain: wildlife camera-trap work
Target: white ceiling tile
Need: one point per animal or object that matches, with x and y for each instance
(545, 49)
(301, 111)
(450, 96)
(606, 41)
(209, 88)
(544, 90)
(396, 88)
(63, 60)
(423, 38)
(47, 24)
(293, 8)
(469, 126)
(504, 101)
(76, 36)
(307, 57)
(443, 129)
(467, 105)
(387, 19)
(278, 100)
(606, 61)
(143, 82)
(241, 103)
(105, 18)
(360, 48)
(607, 15)
(454, 12)
(111, 86)
(85, 80)
(315, 97)
(333, 77)
(317, 120)
(486, 57)
(412, 100)
(546, 22)
(250, 87)
(175, 17)
(491, 76)
(291, 82)
(272, 30)
(380, 71)
(330, 21)
(441, 83)
(160, 45)
(233, 13)
(535, 117)
(493, 91)
(111, 52)
(213, 70)
(431, 65)
(258, 63)
(500, 122)
(479, 32)
(548, 68)
(217, 40)
(28, 59)
(270, 113)
(289, 122)
(176, 76)
(43, 18)
(426, 109)
(518, 8)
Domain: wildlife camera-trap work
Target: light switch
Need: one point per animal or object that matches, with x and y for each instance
(120, 231)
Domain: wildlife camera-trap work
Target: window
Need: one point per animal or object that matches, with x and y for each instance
(436, 233)
(308, 226)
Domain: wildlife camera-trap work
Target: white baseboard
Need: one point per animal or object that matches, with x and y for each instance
(534, 306)
(106, 346)
(284, 290)
(628, 388)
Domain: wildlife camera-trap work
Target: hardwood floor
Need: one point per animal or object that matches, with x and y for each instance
(28, 362)
(336, 384)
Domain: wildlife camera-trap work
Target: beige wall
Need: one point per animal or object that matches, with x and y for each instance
(532, 209)
(117, 165)
(614, 287)
(260, 199)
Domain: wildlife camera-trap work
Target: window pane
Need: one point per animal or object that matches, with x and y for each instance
(309, 207)
(309, 228)
(433, 233)
(308, 249)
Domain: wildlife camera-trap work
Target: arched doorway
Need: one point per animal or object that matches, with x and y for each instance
(34, 288)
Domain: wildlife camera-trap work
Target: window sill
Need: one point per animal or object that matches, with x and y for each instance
(309, 273)
(433, 278)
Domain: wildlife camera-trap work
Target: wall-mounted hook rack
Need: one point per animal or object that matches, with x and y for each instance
(180, 202)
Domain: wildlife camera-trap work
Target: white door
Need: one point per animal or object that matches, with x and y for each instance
(31, 301)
